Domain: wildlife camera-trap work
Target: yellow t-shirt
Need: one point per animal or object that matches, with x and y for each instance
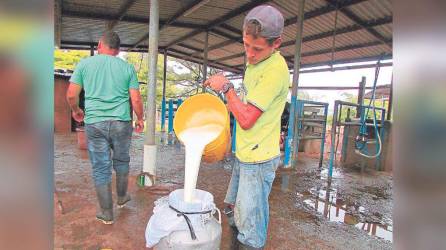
(266, 85)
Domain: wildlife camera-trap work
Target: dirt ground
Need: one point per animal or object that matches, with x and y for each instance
(353, 211)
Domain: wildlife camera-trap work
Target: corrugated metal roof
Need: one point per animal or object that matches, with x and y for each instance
(365, 27)
(372, 9)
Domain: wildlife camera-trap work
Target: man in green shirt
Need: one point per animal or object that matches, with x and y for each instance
(108, 82)
(258, 116)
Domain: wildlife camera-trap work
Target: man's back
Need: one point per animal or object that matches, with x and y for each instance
(106, 80)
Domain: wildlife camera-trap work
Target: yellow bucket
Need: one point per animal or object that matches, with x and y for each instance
(201, 110)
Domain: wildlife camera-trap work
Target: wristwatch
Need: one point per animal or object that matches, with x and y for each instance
(226, 87)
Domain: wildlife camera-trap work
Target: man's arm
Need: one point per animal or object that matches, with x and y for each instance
(245, 114)
(73, 100)
(135, 98)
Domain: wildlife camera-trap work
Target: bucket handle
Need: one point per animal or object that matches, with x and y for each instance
(219, 214)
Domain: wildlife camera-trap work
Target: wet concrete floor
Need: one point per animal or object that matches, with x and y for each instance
(353, 211)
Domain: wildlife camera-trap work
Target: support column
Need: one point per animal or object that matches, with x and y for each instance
(389, 107)
(205, 61)
(57, 23)
(149, 142)
(361, 92)
(292, 139)
(163, 103)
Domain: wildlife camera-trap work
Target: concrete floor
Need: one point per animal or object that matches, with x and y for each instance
(353, 212)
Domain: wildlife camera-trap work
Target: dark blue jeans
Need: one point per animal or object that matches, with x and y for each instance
(108, 145)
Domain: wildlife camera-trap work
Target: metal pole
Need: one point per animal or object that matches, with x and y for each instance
(163, 103)
(297, 55)
(321, 159)
(333, 138)
(298, 127)
(361, 92)
(205, 59)
(91, 50)
(149, 142)
(389, 107)
(170, 123)
(57, 23)
(164, 74)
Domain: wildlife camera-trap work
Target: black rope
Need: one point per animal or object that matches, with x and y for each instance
(189, 224)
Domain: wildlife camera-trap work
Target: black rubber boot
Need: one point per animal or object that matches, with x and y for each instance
(246, 247)
(122, 181)
(105, 199)
(234, 242)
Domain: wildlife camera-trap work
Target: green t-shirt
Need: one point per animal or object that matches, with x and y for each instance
(266, 85)
(106, 81)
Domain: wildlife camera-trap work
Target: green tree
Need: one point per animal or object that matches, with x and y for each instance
(68, 59)
(177, 85)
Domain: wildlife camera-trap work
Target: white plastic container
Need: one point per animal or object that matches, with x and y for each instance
(208, 238)
(166, 230)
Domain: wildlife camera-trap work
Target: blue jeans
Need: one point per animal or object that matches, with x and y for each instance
(108, 145)
(248, 190)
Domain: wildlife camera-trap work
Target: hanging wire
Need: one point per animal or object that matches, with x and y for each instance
(334, 36)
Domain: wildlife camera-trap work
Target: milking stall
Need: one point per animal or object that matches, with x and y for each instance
(333, 185)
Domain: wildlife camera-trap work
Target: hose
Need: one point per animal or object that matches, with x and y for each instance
(363, 126)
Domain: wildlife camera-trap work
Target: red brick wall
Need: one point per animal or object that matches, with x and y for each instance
(62, 112)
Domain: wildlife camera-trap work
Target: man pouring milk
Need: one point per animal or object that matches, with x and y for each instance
(258, 113)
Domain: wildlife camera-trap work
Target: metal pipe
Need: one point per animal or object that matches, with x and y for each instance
(361, 92)
(297, 55)
(205, 59)
(163, 115)
(170, 124)
(163, 101)
(298, 128)
(333, 137)
(153, 59)
(57, 23)
(149, 142)
(164, 74)
(381, 134)
(324, 129)
(389, 107)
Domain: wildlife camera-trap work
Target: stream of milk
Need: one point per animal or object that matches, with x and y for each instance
(195, 140)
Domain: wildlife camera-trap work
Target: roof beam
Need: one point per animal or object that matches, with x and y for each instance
(171, 20)
(352, 16)
(77, 45)
(83, 43)
(210, 62)
(349, 67)
(184, 10)
(343, 48)
(130, 19)
(220, 20)
(290, 21)
(339, 49)
(187, 57)
(121, 13)
(347, 61)
(351, 28)
(310, 38)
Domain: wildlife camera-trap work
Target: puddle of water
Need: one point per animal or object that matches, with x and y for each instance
(336, 173)
(336, 210)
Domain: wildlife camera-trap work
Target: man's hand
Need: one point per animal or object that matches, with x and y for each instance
(216, 82)
(139, 126)
(78, 115)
